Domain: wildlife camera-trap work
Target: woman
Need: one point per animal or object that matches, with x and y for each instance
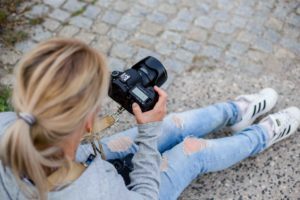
(58, 92)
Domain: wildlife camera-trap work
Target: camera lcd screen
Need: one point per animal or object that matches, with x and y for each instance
(140, 94)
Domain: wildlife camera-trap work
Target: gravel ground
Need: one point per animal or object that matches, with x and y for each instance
(275, 173)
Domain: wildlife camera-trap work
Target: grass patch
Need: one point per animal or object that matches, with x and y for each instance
(10, 18)
(5, 94)
(12, 37)
(78, 12)
(36, 21)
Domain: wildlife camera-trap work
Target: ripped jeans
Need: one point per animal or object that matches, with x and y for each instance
(185, 154)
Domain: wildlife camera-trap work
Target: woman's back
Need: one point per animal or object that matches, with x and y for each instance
(99, 181)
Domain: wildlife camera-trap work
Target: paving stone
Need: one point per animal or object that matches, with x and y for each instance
(143, 40)
(25, 46)
(263, 45)
(111, 17)
(115, 64)
(104, 3)
(290, 31)
(231, 60)
(149, 3)
(81, 22)
(129, 23)
(142, 53)
(291, 44)
(151, 28)
(280, 13)
(298, 11)
(39, 10)
(178, 25)
(251, 68)
(219, 15)
(123, 50)
(54, 3)
(165, 48)
(157, 17)
(245, 36)
(139, 10)
(40, 34)
(263, 7)
(204, 22)
(203, 7)
(184, 56)
(284, 54)
(167, 8)
(171, 77)
(185, 15)
(8, 80)
(225, 4)
(91, 12)
(224, 27)
(239, 21)
(197, 34)
(174, 65)
(73, 5)
(244, 11)
(272, 35)
(85, 37)
(51, 24)
(294, 19)
(9, 57)
(238, 48)
(192, 46)
(103, 44)
(121, 6)
(258, 19)
(60, 15)
(212, 52)
(68, 31)
(274, 24)
(256, 56)
(100, 27)
(118, 34)
(172, 37)
(220, 40)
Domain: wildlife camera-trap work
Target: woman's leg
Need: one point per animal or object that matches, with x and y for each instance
(175, 127)
(194, 156)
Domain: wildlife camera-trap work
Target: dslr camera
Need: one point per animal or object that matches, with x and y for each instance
(136, 84)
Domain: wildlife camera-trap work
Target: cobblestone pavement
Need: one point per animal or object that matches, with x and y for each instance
(212, 49)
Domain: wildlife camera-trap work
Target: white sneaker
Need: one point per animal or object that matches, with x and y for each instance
(283, 124)
(259, 104)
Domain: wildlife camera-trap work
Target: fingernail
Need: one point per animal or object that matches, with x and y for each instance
(134, 105)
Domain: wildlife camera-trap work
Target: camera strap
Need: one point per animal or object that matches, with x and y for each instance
(55, 180)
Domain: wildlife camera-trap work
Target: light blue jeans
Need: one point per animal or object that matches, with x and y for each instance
(185, 154)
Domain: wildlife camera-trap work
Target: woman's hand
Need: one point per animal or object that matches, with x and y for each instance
(154, 115)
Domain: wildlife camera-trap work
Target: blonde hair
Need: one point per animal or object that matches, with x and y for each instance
(60, 82)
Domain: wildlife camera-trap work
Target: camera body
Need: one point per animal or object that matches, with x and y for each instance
(136, 84)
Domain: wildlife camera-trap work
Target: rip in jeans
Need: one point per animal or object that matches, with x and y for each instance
(192, 145)
(164, 164)
(178, 122)
(120, 144)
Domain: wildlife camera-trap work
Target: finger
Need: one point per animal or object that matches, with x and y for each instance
(137, 110)
(160, 91)
(162, 97)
